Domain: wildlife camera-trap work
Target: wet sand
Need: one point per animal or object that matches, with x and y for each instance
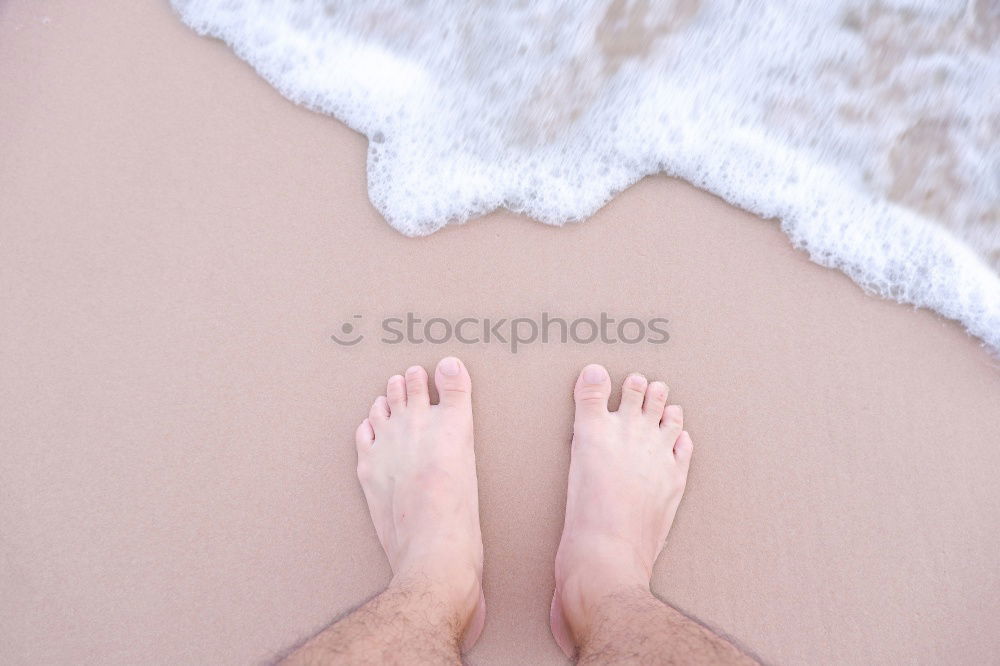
(178, 244)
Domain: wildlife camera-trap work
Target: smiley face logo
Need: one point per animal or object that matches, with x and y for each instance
(347, 329)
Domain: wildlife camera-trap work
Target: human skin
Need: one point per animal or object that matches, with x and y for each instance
(627, 474)
(416, 464)
(417, 467)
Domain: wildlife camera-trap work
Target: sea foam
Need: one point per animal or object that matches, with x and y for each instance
(869, 129)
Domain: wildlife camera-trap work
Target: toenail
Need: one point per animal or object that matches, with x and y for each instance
(593, 376)
(449, 366)
(635, 381)
(413, 371)
(658, 390)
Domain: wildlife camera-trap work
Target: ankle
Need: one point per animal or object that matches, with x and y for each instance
(586, 588)
(455, 589)
(584, 603)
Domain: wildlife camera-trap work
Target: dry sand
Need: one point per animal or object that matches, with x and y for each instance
(178, 242)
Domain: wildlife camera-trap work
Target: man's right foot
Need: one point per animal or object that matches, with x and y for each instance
(626, 478)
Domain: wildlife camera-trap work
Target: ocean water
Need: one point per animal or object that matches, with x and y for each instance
(868, 129)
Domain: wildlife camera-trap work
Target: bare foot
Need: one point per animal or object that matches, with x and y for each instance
(626, 479)
(417, 466)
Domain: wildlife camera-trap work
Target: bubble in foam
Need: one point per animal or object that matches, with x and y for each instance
(868, 128)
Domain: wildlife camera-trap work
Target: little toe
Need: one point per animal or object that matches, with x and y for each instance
(395, 392)
(683, 448)
(416, 387)
(655, 401)
(454, 386)
(379, 412)
(673, 423)
(633, 391)
(364, 436)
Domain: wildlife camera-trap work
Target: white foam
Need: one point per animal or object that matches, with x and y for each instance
(869, 129)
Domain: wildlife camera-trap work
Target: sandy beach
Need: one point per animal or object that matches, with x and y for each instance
(179, 244)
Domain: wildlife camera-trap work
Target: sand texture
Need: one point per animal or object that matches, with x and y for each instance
(177, 244)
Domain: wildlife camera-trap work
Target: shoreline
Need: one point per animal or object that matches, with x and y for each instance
(179, 244)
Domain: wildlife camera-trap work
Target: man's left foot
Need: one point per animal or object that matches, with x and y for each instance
(417, 466)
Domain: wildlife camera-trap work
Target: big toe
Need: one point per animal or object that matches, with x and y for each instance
(593, 387)
(453, 383)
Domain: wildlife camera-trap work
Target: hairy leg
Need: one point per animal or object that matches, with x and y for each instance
(633, 626)
(417, 467)
(408, 623)
(626, 479)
